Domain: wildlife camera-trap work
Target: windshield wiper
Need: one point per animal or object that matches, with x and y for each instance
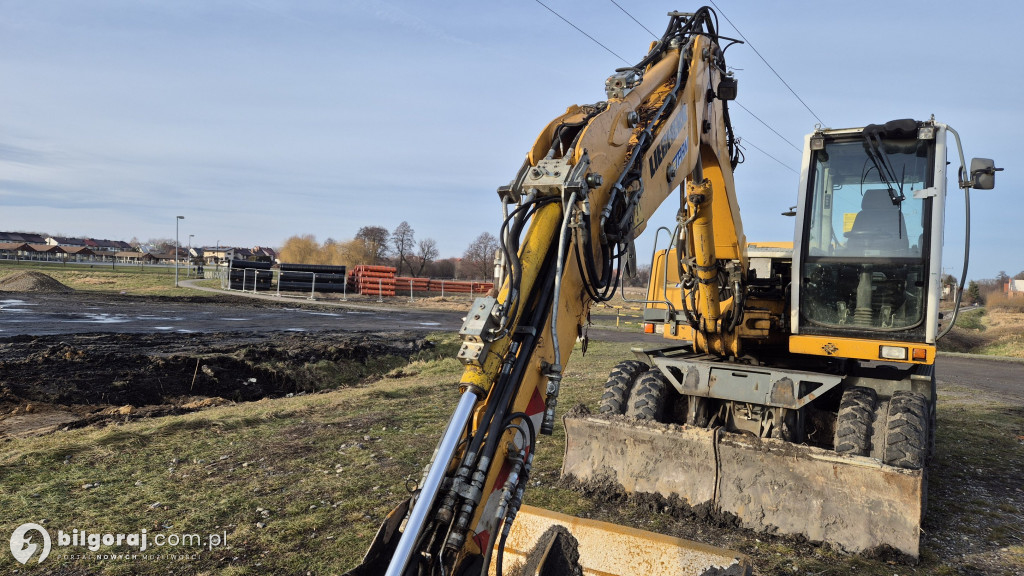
(876, 153)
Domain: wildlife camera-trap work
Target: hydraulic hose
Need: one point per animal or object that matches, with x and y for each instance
(559, 269)
(965, 184)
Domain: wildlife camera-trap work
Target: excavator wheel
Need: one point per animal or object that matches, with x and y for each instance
(620, 382)
(907, 423)
(853, 426)
(649, 396)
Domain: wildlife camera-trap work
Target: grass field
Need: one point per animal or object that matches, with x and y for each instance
(300, 484)
(121, 278)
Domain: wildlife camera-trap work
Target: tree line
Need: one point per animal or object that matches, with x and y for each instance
(981, 291)
(377, 246)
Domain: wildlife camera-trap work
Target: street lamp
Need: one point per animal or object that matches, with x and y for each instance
(176, 249)
(189, 256)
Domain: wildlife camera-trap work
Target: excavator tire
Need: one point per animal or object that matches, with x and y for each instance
(620, 382)
(649, 396)
(906, 441)
(853, 426)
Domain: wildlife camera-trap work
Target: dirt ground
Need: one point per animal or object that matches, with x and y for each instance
(72, 380)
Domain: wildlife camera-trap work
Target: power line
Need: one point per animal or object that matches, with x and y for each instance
(755, 147)
(737, 103)
(584, 33)
(820, 121)
(634, 19)
(791, 145)
(652, 34)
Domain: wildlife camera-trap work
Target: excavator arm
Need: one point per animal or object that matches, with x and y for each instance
(589, 185)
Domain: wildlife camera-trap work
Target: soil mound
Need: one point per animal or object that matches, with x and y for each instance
(30, 281)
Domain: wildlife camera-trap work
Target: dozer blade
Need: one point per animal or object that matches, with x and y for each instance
(769, 485)
(608, 550)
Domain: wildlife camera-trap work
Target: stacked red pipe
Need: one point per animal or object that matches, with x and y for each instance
(402, 284)
(372, 280)
(459, 287)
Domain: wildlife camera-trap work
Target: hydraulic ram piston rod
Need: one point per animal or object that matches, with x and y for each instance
(432, 485)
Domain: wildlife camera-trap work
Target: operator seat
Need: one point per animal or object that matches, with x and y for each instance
(879, 228)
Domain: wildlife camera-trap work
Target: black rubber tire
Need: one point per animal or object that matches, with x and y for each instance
(906, 439)
(855, 421)
(620, 382)
(649, 396)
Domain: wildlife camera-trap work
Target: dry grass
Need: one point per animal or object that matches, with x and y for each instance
(122, 279)
(1004, 303)
(995, 331)
(329, 466)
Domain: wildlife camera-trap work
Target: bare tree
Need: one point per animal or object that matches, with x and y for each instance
(427, 253)
(375, 241)
(160, 244)
(442, 268)
(478, 260)
(642, 278)
(403, 242)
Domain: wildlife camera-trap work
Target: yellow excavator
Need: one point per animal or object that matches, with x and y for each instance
(795, 390)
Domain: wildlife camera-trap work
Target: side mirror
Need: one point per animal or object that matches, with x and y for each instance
(983, 173)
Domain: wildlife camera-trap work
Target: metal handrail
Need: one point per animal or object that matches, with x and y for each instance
(654, 251)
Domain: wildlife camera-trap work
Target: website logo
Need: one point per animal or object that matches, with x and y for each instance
(22, 546)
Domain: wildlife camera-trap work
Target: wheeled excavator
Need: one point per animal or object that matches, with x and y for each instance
(795, 388)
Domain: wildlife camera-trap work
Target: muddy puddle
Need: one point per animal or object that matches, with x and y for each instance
(49, 383)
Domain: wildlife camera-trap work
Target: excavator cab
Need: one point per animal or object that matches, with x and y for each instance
(868, 244)
(869, 217)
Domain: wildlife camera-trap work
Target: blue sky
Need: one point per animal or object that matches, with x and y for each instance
(261, 119)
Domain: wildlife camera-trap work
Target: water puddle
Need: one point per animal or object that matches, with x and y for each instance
(102, 319)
